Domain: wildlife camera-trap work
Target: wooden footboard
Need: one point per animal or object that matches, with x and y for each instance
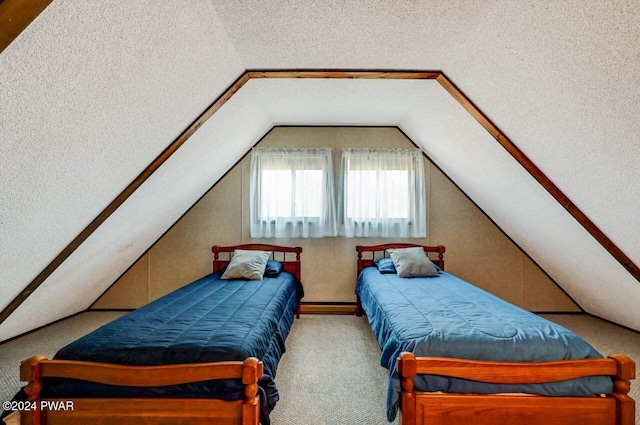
(130, 411)
(422, 408)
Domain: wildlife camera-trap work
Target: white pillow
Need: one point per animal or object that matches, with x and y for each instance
(412, 262)
(246, 264)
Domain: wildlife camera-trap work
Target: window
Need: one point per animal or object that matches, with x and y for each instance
(291, 193)
(382, 193)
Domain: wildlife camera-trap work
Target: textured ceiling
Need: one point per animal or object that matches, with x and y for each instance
(84, 114)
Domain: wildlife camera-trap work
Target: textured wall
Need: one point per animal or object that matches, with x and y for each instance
(476, 249)
(91, 93)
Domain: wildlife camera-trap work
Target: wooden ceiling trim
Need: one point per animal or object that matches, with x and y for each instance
(377, 75)
(15, 16)
(122, 197)
(540, 177)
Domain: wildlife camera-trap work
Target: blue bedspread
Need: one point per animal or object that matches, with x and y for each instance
(445, 316)
(206, 321)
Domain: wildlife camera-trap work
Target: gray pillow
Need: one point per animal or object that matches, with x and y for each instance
(246, 264)
(412, 262)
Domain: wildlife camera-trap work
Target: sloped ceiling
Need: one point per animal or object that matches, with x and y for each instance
(91, 93)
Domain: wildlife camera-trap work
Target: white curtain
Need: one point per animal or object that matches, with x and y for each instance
(382, 193)
(291, 193)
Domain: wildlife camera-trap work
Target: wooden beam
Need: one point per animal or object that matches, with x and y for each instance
(122, 197)
(329, 74)
(540, 177)
(15, 16)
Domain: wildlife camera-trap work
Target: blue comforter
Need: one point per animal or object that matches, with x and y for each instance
(445, 316)
(206, 321)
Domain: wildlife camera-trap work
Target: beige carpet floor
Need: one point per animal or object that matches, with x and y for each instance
(330, 374)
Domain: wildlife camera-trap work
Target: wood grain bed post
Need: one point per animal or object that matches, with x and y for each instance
(359, 251)
(360, 266)
(298, 251)
(408, 370)
(441, 250)
(30, 371)
(252, 370)
(626, 405)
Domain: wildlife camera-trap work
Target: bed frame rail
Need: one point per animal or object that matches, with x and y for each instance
(105, 411)
(421, 408)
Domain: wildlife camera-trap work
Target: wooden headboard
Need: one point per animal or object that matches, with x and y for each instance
(368, 254)
(288, 256)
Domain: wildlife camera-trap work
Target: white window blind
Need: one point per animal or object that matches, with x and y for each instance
(382, 193)
(291, 193)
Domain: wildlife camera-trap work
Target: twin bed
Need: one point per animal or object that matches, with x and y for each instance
(455, 354)
(216, 342)
(459, 355)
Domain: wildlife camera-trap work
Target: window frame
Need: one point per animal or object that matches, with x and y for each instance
(381, 160)
(272, 224)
